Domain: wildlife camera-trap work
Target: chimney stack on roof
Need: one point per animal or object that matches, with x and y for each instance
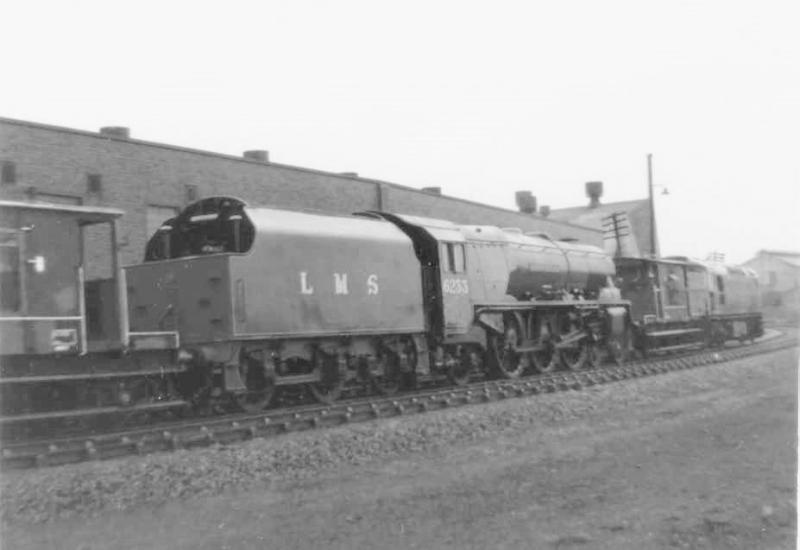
(526, 202)
(594, 190)
(119, 132)
(432, 190)
(544, 211)
(258, 155)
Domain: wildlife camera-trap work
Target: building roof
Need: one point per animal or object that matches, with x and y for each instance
(787, 253)
(638, 216)
(788, 257)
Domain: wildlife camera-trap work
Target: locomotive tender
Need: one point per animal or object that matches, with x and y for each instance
(264, 298)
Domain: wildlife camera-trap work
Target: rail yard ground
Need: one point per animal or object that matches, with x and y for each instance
(705, 458)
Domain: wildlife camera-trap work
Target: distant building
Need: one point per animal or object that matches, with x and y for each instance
(633, 217)
(779, 276)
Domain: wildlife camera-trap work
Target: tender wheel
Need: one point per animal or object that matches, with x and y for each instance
(329, 388)
(508, 361)
(459, 368)
(260, 389)
(390, 382)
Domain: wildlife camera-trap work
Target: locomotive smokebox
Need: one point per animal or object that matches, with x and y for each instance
(594, 190)
(526, 202)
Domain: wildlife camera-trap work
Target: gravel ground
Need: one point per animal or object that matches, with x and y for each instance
(89, 489)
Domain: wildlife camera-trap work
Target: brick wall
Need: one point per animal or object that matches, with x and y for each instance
(54, 164)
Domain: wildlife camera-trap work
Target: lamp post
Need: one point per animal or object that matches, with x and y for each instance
(650, 186)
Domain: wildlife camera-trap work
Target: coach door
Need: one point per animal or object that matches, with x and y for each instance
(12, 295)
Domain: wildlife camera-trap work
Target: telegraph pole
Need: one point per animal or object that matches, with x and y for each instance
(653, 236)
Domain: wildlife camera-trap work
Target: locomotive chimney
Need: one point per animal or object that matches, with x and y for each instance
(526, 202)
(594, 190)
(544, 211)
(432, 190)
(258, 155)
(119, 132)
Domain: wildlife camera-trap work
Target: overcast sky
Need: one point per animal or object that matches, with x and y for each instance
(482, 99)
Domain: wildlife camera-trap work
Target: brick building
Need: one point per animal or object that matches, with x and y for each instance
(779, 276)
(151, 181)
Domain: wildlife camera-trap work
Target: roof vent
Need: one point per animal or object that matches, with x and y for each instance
(119, 132)
(349, 174)
(258, 155)
(594, 190)
(432, 190)
(544, 210)
(526, 202)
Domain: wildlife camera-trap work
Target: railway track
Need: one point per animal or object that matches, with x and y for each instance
(228, 429)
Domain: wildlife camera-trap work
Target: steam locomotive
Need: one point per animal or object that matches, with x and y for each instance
(234, 302)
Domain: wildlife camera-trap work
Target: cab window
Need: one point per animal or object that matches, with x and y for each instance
(452, 257)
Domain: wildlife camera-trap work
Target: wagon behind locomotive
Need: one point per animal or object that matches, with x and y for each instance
(678, 303)
(64, 335)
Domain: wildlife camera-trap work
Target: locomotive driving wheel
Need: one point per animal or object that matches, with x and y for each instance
(508, 361)
(544, 359)
(575, 357)
(329, 388)
(260, 388)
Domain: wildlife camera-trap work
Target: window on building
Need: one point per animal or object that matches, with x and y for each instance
(94, 183)
(157, 215)
(10, 281)
(773, 278)
(9, 172)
